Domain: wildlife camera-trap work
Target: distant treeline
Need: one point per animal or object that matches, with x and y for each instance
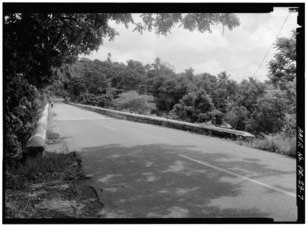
(258, 107)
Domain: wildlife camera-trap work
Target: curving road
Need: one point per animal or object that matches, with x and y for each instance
(146, 171)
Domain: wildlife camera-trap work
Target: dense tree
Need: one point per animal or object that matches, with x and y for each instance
(206, 81)
(136, 66)
(194, 106)
(268, 117)
(76, 86)
(35, 42)
(237, 117)
(189, 73)
(167, 94)
(158, 68)
(224, 92)
(95, 83)
(104, 67)
(129, 79)
(249, 91)
(282, 68)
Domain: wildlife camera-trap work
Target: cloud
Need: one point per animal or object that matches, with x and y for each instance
(239, 51)
(211, 66)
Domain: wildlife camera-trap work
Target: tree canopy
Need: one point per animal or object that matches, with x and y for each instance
(36, 42)
(282, 68)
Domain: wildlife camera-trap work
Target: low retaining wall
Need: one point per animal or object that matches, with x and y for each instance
(195, 128)
(37, 142)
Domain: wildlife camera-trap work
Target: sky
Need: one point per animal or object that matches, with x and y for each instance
(238, 52)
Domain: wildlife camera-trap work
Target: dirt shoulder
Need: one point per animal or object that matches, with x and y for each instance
(52, 186)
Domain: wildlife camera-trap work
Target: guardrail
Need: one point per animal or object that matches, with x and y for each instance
(195, 128)
(37, 142)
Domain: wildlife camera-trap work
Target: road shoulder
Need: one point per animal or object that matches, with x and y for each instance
(52, 186)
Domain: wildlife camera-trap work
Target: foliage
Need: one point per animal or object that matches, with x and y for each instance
(42, 48)
(268, 117)
(282, 69)
(274, 143)
(37, 170)
(95, 83)
(22, 105)
(162, 23)
(283, 66)
(96, 100)
(36, 42)
(76, 86)
(33, 45)
(254, 106)
(194, 106)
(56, 179)
(251, 105)
(134, 102)
(216, 117)
(127, 79)
(249, 91)
(237, 117)
(289, 128)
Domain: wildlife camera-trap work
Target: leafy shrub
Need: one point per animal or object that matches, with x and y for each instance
(23, 105)
(76, 86)
(268, 117)
(96, 100)
(194, 106)
(134, 102)
(237, 117)
(289, 128)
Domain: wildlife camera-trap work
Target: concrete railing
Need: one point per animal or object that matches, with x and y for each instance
(195, 128)
(37, 142)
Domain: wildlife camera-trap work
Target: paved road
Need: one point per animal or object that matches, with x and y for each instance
(142, 170)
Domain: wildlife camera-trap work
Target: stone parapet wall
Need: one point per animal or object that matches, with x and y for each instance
(195, 128)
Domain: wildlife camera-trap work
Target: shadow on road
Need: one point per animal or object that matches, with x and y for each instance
(152, 181)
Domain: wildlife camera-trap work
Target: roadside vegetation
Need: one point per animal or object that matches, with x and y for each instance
(39, 51)
(266, 109)
(39, 48)
(50, 187)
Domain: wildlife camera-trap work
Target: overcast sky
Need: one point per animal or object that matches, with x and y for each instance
(238, 52)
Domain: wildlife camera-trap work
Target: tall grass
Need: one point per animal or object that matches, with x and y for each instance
(37, 170)
(274, 143)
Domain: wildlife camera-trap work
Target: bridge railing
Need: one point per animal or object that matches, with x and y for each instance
(195, 128)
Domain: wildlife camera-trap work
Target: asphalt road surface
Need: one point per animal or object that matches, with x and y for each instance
(147, 171)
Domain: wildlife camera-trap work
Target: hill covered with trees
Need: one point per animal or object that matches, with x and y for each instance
(262, 108)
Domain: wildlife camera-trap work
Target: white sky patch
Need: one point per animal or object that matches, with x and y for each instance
(208, 66)
(238, 52)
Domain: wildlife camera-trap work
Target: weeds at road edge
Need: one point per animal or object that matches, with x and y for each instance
(273, 143)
